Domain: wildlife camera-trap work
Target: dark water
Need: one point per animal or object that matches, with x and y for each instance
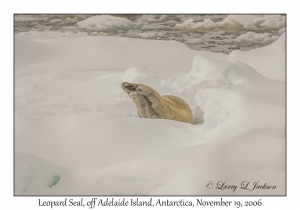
(216, 39)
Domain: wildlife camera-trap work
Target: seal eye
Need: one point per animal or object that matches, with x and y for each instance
(133, 88)
(139, 89)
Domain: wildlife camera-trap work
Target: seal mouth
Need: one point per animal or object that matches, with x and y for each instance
(128, 87)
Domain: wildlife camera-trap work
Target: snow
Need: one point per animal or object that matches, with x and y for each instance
(77, 133)
(281, 31)
(34, 175)
(186, 25)
(105, 23)
(55, 21)
(268, 61)
(34, 35)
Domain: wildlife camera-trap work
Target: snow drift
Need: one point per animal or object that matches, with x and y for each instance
(269, 60)
(81, 134)
(34, 175)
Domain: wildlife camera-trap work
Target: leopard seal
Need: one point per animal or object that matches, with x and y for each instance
(150, 104)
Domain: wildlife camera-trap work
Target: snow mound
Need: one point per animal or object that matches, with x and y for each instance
(174, 56)
(186, 25)
(34, 176)
(138, 75)
(207, 68)
(239, 73)
(236, 73)
(28, 51)
(211, 107)
(268, 61)
(70, 109)
(106, 23)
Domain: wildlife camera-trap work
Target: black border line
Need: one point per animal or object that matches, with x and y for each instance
(111, 196)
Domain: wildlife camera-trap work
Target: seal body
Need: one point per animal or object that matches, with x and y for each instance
(150, 104)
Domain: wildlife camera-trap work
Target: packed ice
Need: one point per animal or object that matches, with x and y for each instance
(105, 23)
(252, 37)
(219, 33)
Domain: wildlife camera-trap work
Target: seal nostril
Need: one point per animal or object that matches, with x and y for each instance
(133, 88)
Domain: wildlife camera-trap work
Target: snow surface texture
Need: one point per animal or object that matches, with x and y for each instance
(272, 59)
(77, 133)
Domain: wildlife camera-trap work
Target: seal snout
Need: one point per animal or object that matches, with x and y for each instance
(128, 87)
